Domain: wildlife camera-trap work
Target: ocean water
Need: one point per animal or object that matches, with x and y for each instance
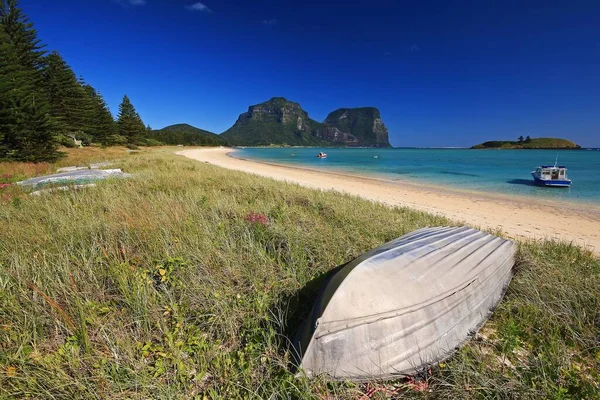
(491, 171)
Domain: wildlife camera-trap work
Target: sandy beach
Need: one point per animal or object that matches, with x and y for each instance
(517, 217)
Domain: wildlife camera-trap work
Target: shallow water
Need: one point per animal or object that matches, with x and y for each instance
(499, 171)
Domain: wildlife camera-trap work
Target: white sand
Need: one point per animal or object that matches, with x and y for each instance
(517, 217)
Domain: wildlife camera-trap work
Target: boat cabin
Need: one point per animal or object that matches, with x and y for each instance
(551, 175)
(551, 172)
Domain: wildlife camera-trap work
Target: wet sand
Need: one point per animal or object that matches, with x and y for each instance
(517, 217)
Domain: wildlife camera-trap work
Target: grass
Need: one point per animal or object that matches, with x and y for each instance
(185, 281)
(12, 172)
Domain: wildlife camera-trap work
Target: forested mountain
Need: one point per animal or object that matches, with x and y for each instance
(282, 122)
(186, 135)
(277, 121)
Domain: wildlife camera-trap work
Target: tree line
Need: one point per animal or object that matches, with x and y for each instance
(43, 104)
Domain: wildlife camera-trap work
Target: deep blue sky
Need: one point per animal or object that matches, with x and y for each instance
(443, 73)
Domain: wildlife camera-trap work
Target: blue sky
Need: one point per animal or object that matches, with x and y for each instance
(443, 73)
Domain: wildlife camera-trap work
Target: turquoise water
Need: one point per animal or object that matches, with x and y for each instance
(498, 171)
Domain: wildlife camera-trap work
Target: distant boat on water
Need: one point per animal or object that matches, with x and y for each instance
(321, 155)
(551, 175)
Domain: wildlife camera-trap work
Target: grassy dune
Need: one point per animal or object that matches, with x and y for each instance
(184, 281)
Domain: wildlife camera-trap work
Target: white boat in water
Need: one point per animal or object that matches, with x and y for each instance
(551, 175)
(405, 305)
(321, 155)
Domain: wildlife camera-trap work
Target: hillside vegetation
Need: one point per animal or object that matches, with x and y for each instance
(277, 121)
(186, 135)
(185, 282)
(536, 143)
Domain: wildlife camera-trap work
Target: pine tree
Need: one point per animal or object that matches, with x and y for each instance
(22, 36)
(521, 139)
(102, 123)
(527, 139)
(129, 122)
(26, 129)
(6, 70)
(70, 105)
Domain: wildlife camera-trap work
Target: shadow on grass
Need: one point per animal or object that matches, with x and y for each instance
(299, 306)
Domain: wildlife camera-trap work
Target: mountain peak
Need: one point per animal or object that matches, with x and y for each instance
(364, 123)
(283, 122)
(278, 100)
(186, 134)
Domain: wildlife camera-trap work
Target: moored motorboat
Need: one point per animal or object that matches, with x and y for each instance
(405, 305)
(321, 155)
(551, 175)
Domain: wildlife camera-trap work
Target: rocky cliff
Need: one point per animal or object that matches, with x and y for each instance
(282, 122)
(277, 121)
(364, 124)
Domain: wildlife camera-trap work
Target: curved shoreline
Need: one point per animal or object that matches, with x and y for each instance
(516, 217)
(565, 204)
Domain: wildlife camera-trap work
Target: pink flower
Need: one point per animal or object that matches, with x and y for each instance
(257, 218)
(4, 185)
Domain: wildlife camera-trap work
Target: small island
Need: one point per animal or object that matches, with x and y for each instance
(529, 143)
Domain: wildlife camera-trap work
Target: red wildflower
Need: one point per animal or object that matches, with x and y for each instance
(257, 218)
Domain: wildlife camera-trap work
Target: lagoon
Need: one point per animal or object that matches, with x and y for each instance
(491, 171)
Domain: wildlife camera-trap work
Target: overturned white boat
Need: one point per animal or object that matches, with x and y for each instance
(75, 176)
(405, 305)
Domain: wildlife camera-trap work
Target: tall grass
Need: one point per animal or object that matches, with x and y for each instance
(13, 172)
(185, 281)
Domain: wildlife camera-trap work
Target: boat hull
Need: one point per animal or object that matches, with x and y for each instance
(406, 305)
(551, 182)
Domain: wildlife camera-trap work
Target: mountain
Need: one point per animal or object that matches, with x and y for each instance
(282, 122)
(277, 121)
(537, 143)
(364, 124)
(187, 135)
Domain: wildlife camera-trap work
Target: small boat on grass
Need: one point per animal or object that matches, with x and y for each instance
(551, 175)
(406, 305)
(321, 155)
(73, 177)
